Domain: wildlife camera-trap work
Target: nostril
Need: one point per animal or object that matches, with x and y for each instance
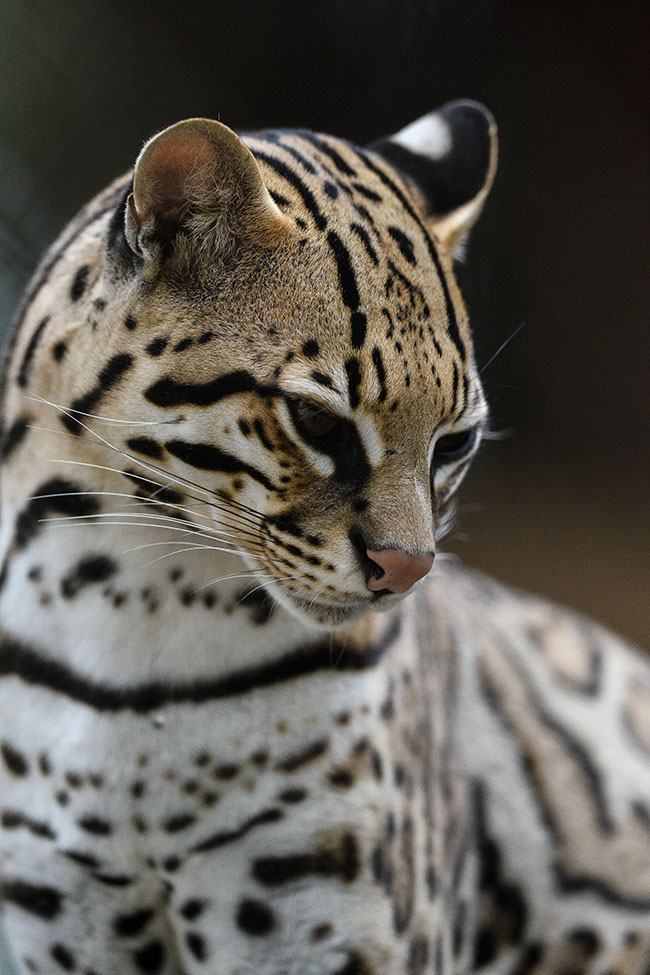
(371, 569)
(400, 569)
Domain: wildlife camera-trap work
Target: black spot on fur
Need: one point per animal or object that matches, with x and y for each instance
(85, 859)
(12, 819)
(293, 796)
(95, 825)
(59, 350)
(196, 944)
(303, 757)
(176, 823)
(310, 348)
(78, 285)
(150, 958)
(130, 323)
(63, 956)
(157, 347)
(192, 909)
(14, 759)
(127, 925)
(88, 571)
(45, 902)
(255, 917)
(146, 446)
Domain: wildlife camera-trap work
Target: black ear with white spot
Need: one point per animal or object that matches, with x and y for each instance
(448, 159)
(197, 189)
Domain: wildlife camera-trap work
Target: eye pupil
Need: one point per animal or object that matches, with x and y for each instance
(313, 420)
(452, 446)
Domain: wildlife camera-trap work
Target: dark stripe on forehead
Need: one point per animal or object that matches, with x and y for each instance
(274, 138)
(354, 381)
(349, 290)
(364, 237)
(328, 151)
(168, 392)
(378, 363)
(206, 457)
(454, 390)
(291, 177)
(330, 656)
(298, 156)
(452, 322)
(404, 243)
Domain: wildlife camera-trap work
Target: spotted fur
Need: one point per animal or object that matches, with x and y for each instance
(244, 370)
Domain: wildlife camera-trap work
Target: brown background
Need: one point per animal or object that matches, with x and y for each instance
(558, 506)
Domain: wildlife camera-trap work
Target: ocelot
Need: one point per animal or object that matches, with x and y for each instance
(240, 395)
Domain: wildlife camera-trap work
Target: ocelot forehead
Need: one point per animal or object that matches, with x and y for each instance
(358, 306)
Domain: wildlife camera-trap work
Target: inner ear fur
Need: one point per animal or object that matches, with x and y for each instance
(197, 180)
(448, 159)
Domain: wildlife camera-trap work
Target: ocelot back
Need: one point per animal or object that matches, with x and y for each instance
(239, 398)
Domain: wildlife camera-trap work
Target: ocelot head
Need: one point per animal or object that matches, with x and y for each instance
(300, 352)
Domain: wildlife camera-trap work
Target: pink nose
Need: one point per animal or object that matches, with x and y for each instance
(398, 570)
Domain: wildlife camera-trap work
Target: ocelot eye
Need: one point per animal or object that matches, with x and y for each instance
(453, 446)
(312, 421)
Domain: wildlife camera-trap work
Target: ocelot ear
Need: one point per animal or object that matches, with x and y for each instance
(448, 159)
(197, 187)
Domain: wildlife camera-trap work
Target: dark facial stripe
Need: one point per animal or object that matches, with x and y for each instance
(14, 436)
(209, 458)
(36, 669)
(168, 392)
(349, 290)
(71, 503)
(291, 177)
(452, 322)
(110, 375)
(25, 366)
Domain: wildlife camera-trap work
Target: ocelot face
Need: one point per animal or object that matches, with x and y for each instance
(307, 363)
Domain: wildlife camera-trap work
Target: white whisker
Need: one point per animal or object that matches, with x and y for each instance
(104, 419)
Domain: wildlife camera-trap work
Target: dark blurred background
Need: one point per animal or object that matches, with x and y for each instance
(560, 504)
